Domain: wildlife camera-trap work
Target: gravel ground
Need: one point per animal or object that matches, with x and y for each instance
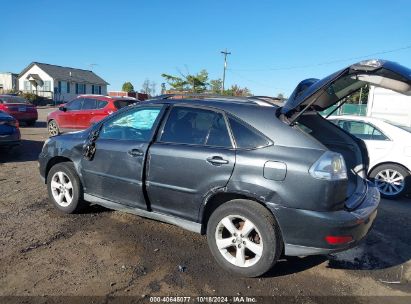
(108, 253)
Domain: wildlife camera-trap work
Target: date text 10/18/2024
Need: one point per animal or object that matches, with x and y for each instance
(207, 299)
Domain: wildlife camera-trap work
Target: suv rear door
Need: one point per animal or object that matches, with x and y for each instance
(115, 172)
(192, 157)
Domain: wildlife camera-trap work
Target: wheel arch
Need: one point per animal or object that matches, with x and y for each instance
(219, 198)
(54, 161)
(387, 163)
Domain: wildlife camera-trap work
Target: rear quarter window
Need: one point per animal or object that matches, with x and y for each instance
(246, 137)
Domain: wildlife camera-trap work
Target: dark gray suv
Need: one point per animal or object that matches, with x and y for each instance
(260, 180)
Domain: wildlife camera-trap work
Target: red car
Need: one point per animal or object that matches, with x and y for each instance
(82, 112)
(19, 108)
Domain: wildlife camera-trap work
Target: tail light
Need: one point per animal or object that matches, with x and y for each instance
(13, 123)
(330, 166)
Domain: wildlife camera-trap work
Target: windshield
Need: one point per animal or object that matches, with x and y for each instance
(13, 99)
(405, 128)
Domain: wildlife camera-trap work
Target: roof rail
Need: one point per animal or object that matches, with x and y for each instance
(245, 99)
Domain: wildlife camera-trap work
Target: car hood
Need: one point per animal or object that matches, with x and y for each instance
(321, 94)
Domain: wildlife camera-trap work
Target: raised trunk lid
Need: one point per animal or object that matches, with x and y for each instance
(318, 95)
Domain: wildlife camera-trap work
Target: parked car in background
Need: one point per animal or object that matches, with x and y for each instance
(9, 130)
(83, 111)
(19, 108)
(389, 150)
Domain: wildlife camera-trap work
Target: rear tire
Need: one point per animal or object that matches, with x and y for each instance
(53, 128)
(244, 238)
(393, 181)
(64, 188)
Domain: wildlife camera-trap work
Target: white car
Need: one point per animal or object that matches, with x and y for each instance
(389, 150)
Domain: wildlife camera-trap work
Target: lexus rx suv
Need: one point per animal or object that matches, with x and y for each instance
(83, 111)
(258, 179)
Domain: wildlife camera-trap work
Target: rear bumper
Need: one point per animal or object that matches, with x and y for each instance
(304, 231)
(10, 139)
(24, 116)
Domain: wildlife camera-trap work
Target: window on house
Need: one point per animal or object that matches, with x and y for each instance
(80, 88)
(68, 86)
(47, 85)
(27, 86)
(96, 89)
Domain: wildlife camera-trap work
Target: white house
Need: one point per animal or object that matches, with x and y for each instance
(389, 105)
(59, 83)
(8, 82)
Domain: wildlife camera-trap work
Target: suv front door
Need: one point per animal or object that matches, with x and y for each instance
(192, 157)
(116, 170)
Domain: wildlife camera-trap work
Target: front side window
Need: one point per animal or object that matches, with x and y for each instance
(362, 130)
(47, 86)
(136, 124)
(245, 136)
(75, 105)
(197, 127)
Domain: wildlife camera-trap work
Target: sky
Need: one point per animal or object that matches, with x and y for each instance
(273, 44)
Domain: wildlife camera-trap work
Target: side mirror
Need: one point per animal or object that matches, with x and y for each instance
(63, 108)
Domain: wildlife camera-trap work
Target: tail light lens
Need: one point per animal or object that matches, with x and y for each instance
(13, 123)
(330, 166)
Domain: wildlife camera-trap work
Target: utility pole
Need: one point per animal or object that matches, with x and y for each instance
(225, 66)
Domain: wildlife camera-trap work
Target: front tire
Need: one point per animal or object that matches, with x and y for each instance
(244, 238)
(53, 128)
(393, 181)
(64, 188)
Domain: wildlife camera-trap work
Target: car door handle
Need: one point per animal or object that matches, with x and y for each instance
(135, 152)
(217, 160)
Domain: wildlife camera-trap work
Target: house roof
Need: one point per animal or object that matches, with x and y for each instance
(67, 73)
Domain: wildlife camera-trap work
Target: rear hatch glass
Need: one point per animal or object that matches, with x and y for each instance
(13, 99)
(121, 103)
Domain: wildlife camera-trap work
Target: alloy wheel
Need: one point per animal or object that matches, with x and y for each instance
(390, 182)
(53, 128)
(239, 241)
(61, 189)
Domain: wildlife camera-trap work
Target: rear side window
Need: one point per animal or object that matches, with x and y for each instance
(196, 127)
(124, 103)
(362, 130)
(245, 136)
(89, 104)
(12, 99)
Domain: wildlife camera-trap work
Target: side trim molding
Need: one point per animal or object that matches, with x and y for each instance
(185, 224)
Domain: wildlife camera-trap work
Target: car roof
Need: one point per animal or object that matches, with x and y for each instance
(107, 97)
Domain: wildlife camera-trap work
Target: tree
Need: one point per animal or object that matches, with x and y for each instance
(145, 87)
(127, 87)
(196, 83)
(153, 89)
(236, 90)
(216, 85)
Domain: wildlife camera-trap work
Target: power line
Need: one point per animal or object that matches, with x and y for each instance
(327, 62)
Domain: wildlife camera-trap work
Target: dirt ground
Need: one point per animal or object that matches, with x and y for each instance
(108, 253)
